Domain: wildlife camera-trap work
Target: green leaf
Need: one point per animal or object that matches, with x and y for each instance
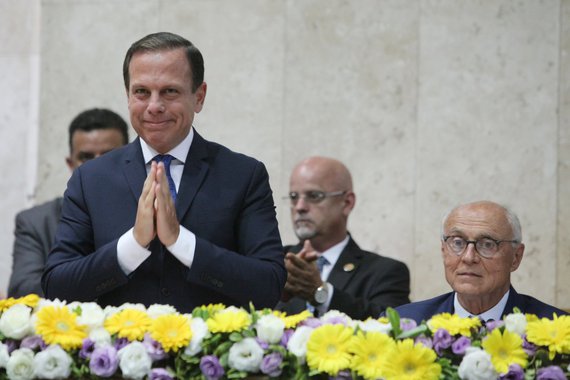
(413, 332)
(394, 319)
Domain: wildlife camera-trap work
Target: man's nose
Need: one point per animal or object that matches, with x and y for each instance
(156, 105)
(470, 253)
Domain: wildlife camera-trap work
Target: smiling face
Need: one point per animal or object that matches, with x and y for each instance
(480, 281)
(161, 102)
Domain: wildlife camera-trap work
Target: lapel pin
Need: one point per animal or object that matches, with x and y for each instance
(348, 267)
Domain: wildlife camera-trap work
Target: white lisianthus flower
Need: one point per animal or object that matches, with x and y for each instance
(92, 315)
(516, 323)
(297, 344)
(43, 302)
(53, 363)
(136, 306)
(100, 336)
(4, 355)
(15, 322)
(246, 355)
(157, 310)
(476, 365)
(270, 328)
(199, 332)
(374, 325)
(134, 361)
(335, 316)
(20, 366)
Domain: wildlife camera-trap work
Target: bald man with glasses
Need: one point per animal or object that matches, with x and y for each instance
(481, 245)
(327, 269)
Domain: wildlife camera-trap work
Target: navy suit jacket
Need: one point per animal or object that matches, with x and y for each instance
(424, 310)
(374, 283)
(224, 198)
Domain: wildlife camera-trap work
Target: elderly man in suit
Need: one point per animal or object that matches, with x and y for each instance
(91, 133)
(327, 269)
(171, 218)
(481, 245)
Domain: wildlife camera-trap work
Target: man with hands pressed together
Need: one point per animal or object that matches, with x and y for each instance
(171, 218)
(327, 270)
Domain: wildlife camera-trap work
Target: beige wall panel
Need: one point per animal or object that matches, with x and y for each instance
(487, 127)
(350, 87)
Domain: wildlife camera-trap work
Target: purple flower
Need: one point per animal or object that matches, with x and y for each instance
(460, 345)
(11, 345)
(311, 322)
(342, 375)
(211, 367)
(515, 373)
(529, 348)
(263, 344)
(551, 373)
(492, 324)
(87, 349)
(286, 336)
(271, 364)
(160, 374)
(426, 341)
(337, 320)
(33, 342)
(154, 349)
(104, 361)
(120, 343)
(441, 340)
(407, 324)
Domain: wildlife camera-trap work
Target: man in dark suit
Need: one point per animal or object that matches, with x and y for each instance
(197, 227)
(481, 245)
(91, 133)
(359, 283)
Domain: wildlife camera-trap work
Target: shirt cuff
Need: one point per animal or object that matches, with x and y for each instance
(184, 247)
(129, 253)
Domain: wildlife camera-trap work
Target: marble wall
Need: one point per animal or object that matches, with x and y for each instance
(430, 103)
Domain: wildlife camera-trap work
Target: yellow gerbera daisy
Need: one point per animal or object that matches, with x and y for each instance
(411, 362)
(128, 323)
(228, 321)
(58, 325)
(30, 300)
(505, 349)
(370, 351)
(206, 311)
(7, 303)
(454, 324)
(554, 334)
(172, 331)
(328, 348)
(292, 321)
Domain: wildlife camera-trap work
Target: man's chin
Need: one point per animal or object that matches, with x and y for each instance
(305, 233)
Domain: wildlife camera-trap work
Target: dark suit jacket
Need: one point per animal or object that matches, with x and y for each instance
(224, 198)
(34, 237)
(424, 310)
(375, 283)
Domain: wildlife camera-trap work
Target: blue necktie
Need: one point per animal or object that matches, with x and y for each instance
(167, 159)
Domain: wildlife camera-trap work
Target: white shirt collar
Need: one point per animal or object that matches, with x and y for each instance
(179, 152)
(332, 254)
(495, 313)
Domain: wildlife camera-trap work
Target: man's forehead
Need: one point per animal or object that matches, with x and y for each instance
(477, 219)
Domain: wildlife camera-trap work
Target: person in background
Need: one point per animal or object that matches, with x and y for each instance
(327, 269)
(171, 218)
(91, 133)
(481, 245)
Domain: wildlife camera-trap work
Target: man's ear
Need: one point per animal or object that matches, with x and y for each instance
(517, 257)
(349, 202)
(200, 97)
(69, 163)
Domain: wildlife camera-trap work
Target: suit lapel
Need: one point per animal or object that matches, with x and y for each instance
(134, 168)
(346, 265)
(195, 169)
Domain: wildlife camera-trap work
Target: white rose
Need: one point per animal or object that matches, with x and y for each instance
(15, 322)
(21, 365)
(270, 328)
(100, 336)
(110, 310)
(134, 361)
(199, 332)
(373, 325)
(245, 355)
(157, 310)
(476, 365)
(4, 355)
(136, 306)
(516, 323)
(53, 363)
(297, 344)
(92, 315)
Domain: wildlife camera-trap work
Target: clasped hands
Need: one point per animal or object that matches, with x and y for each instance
(303, 277)
(156, 213)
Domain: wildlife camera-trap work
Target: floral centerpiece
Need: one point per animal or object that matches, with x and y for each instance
(47, 339)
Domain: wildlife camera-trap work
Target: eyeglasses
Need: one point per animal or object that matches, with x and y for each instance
(313, 196)
(485, 247)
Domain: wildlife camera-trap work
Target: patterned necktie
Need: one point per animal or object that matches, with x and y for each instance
(167, 159)
(321, 262)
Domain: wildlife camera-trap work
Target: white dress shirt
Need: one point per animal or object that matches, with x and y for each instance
(129, 253)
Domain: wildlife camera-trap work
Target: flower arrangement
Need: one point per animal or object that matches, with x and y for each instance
(47, 339)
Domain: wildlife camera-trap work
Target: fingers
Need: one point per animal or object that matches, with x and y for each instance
(144, 230)
(167, 226)
(308, 252)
